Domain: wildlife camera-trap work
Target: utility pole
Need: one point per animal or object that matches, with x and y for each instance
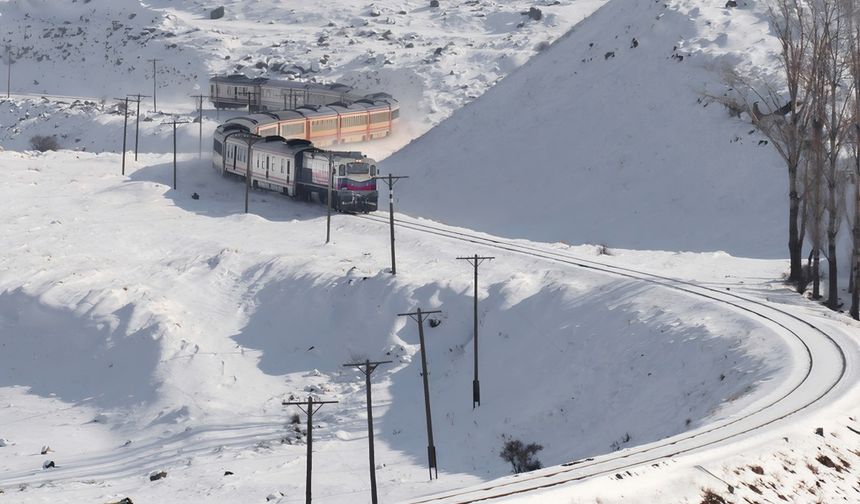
(418, 316)
(476, 261)
(154, 87)
(124, 129)
(252, 139)
(328, 198)
(8, 71)
(200, 120)
(367, 368)
(137, 123)
(175, 122)
(309, 410)
(390, 180)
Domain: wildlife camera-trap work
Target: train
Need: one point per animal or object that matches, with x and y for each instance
(297, 168)
(370, 118)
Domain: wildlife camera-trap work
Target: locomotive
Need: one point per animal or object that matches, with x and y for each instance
(298, 169)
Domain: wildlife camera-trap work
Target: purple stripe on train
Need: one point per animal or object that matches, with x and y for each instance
(354, 185)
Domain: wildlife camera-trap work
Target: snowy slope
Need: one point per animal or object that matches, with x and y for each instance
(131, 312)
(605, 137)
(432, 59)
(144, 330)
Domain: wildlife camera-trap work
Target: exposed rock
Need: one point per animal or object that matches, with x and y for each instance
(157, 475)
(535, 13)
(217, 13)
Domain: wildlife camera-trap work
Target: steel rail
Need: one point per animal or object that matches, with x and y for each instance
(539, 479)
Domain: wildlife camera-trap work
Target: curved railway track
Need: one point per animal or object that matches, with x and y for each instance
(816, 382)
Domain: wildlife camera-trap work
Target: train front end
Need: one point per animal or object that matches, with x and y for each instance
(355, 184)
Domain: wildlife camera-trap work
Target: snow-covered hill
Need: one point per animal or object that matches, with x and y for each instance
(146, 330)
(432, 59)
(143, 329)
(607, 137)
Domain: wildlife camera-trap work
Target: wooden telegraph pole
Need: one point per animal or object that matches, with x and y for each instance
(476, 261)
(175, 122)
(390, 180)
(154, 87)
(367, 368)
(138, 98)
(8, 71)
(200, 121)
(310, 407)
(418, 316)
(124, 129)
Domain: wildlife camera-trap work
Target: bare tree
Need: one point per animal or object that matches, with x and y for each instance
(852, 9)
(786, 123)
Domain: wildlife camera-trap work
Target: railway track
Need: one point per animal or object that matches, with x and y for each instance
(809, 387)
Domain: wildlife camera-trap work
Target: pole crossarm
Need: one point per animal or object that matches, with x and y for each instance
(303, 404)
(476, 260)
(390, 180)
(369, 366)
(418, 316)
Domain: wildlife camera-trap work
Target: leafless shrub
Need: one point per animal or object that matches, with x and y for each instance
(520, 455)
(43, 143)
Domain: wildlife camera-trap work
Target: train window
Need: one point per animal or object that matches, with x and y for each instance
(395, 114)
(282, 165)
(342, 170)
(372, 170)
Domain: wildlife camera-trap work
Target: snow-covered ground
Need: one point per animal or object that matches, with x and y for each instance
(134, 313)
(144, 330)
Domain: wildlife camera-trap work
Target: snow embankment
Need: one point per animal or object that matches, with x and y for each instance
(607, 137)
(145, 330)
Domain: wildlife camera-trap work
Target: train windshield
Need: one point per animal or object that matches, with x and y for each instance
(357, 168)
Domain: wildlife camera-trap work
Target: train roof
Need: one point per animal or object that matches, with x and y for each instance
(277, 145)
(311, 111)
(287, 115)
(237, 79)
(345, 108)
(254, 120)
